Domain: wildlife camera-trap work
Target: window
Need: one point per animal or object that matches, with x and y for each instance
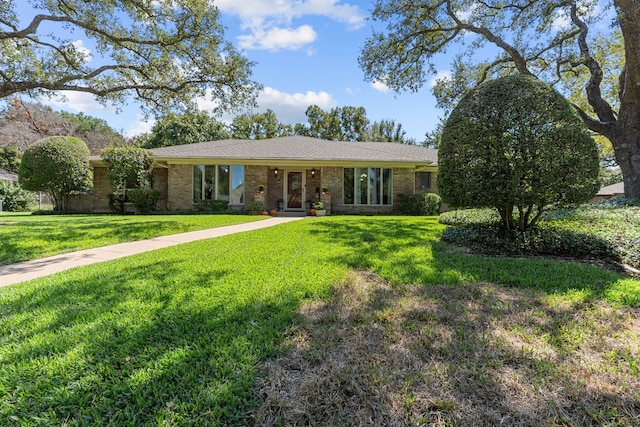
(218, 182)
(367, 186)
(425, 180)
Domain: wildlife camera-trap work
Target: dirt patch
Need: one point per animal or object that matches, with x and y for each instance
(477, 354)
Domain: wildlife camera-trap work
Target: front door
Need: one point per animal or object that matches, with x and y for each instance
(294, 190)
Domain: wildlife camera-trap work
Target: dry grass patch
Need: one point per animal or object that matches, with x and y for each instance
(477, 354)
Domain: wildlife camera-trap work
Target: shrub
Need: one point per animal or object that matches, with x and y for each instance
(256, 207)
(15, 199)
(127, 168)
(143, 199)
(419, 204)
(211, 205)
(57, 165)
(516, 145)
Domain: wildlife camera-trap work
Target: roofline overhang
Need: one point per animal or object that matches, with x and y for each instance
(282, 163)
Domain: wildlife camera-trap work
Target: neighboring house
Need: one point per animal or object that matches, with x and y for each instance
(609, 191)
(8, 176)
(361, 177)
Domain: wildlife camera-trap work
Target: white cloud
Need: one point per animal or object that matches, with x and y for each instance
(279, 38)
(440, 75)
(380, 86)
(139, 127)
(290, 107)
(269, 21)
(83, 50)
(79, 101)
(561, 21)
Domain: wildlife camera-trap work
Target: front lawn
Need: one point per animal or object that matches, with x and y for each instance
(180, 336)
(25, 237)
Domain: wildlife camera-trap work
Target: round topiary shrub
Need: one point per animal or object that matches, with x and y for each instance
(58, 166)
(516, 145)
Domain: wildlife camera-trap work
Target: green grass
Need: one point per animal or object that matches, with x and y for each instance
(25, 237)
(176, 336)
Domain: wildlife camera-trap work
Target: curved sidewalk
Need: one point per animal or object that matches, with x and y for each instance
(28, 270)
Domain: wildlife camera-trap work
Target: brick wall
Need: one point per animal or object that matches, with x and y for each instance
(180, 187)
(97, 200)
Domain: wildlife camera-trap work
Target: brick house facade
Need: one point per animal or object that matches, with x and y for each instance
(361, 177)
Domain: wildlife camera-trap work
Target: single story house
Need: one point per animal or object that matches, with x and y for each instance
(609, 191)
(286, 174)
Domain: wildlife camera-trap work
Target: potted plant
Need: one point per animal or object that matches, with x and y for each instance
(319, 208)
(325, 189)
(261, 188)
(255, 208)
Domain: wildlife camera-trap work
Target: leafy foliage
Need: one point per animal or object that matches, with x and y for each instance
(419, 204)
(23, 123)
(165, 53)
(15, 199)
(127, 168)
(58, 166)
(516, 145)
(9, 159)
(187, 128)
(561, 42)
(605, 230)
(259, 126)
(211, 205)
(144, 199)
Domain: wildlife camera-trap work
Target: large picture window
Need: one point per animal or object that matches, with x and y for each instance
(219, 182)
(367, 186)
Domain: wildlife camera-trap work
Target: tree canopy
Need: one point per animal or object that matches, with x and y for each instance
(165, 53)
(556, 41)
(187, 128)
(259, 126)
(515, 142)
(23, 123)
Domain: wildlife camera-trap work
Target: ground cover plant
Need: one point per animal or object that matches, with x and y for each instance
(607, 231)
(189, 335)
(26, 237)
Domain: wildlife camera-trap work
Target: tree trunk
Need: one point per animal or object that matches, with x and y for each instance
(626, 133)
(626, 143)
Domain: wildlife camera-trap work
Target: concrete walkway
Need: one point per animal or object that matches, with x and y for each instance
(21, 272)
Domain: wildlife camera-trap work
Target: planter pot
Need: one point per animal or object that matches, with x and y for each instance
(321, 212)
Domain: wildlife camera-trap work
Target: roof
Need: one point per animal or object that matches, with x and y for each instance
(8, 176)
(301, 148)
(612, 190)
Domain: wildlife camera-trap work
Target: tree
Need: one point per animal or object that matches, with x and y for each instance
(187, 128)
(57, 165)
(339, 124)
(516, 145)
(386, 131)
(9, 159)
(166, 53)
(127, 168)
(552, 40)
(259, 126)
(23, 123)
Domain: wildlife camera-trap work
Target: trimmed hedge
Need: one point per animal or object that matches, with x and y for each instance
(143, 199)
(419, 204)
(216, 206)
(606, 230)
(15, 199)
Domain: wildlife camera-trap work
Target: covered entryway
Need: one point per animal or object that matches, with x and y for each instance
(295, 191)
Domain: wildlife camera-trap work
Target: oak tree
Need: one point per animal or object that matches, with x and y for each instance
(557, 41)
(165, 53)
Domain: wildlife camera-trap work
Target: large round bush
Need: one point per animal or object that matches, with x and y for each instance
(516, 145)
(57, 165)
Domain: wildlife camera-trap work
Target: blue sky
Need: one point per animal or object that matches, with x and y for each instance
(306, 53)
